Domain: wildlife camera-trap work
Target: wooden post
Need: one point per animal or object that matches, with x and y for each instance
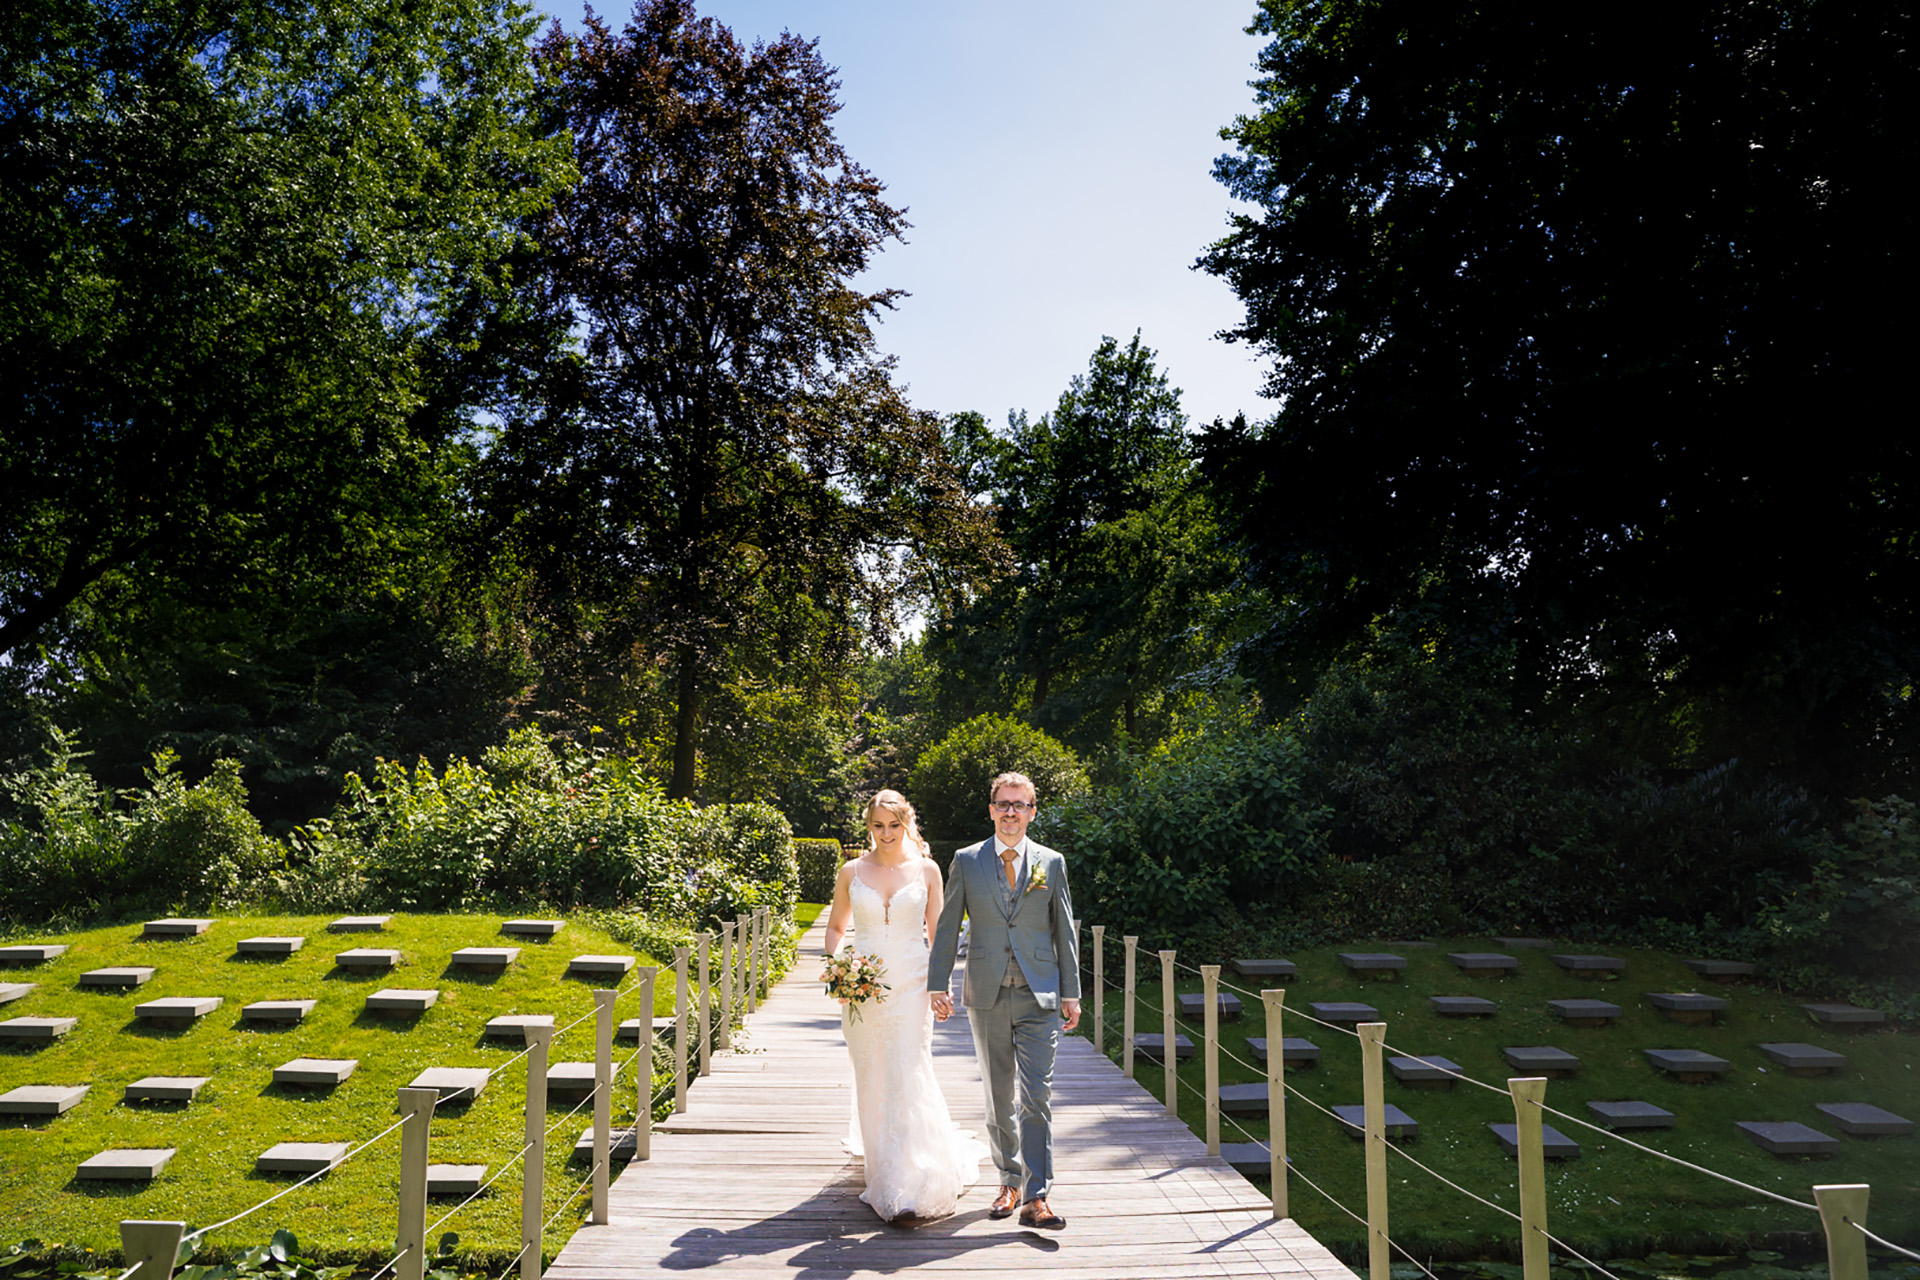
(702, 1031)
(1168, 1058)
(416, 1105)
(752, 974)
(1373, 1093)
(151, 1247)
(1841, 1207)
(603, 1099)
(643, 1070)
(766, 952)
(1210, 984)
(679, 1029)
(743, 1002)
(1275, 1001)
(533, 1166)
(1126, 1016)
(1528, 1093)
(1099, 987)
(726, 986)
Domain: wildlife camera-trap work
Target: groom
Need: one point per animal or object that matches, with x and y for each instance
(1022, 989)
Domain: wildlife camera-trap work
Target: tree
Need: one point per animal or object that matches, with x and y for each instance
(1586, 328)
(726, 461)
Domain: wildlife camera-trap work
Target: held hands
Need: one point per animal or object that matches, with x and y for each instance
(942, 1005)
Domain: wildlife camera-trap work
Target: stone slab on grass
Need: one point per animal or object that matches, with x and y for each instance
(485, 959)
(1688, 1008)
(368, 959)
(1431, 1072)
(513, 1026)
(455, 1179)
(620, 1145)
(126, 1164)
(1541, 1060)
(628, 1032)
(1554, 1145)
(175, 927)
(1631, 1115)
(1462, 1006)
(1720, 968)
(165, 1089)
(280, 1011)
(1689, 1066)
(1243, 1100)
(453, 1084)
(402, 1000)
(1788, 1138)
(42, 1099)
(1193, 1006)
(533, 928)
(1585, 1013)
(1843, 1015)
(359, 924)
(1274, 968)
(1589, 967)
(1864, 1120)
(1343, 1011)
(31, 953)
(300, 1157)
(41, 1029)
(1374, 964)
(600, 966)
(282, 945)
(314, 1073)
(119, 976)
(1398, 1124)
(1805, 1059)
(11, 991)
(177, 1011)
(1249, 1159)
(1154, 1046)
(1484, 964)
(1294, 1051)
(570, 1078)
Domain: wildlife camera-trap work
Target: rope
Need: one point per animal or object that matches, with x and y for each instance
(1884, 1244)
(512, 1160)
(1685, 1164)
(391, 1263)
(576, 1110)
(1576, 1253)
(514, 1261)
(1490, 1088)
(569, 1198)
(1404, 1155)
(204, 1231)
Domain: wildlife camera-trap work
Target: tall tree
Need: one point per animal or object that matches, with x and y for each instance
(727, 459)
(1593, 327)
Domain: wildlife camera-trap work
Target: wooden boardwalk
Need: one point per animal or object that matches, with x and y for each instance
(752, 1180)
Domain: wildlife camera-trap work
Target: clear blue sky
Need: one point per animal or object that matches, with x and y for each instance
(1054, 157)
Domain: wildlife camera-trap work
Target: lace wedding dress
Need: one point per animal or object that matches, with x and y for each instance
(916, 1160)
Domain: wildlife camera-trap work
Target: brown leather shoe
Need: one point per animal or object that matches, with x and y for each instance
(1037, 1214)
(1005, 1203)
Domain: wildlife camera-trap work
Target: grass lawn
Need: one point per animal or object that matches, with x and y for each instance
(1612, 1198)
(348, 1214)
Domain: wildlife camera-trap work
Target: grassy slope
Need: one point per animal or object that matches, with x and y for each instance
(1612, 1197)
(349, 1212)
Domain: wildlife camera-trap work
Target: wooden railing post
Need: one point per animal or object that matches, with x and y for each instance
(1099, 987)
(603, 1099)
(703, 1031)
(679, 1029)
(150, 1248)
(1373, 1094)
(1168, 1058)
(643, 1073)
(766, 952)
(753, 961)
(1274, 1002)
(1529, 1146)
(743, 1001)
(410, 1239)
(726, 986)
(1210, 1019)
(1126, 1016)
(1841, 1206)
(533, 1166)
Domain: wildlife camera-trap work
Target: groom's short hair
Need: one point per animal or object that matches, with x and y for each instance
(1012, 780)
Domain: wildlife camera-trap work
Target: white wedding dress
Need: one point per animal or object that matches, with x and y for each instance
(916, 1160)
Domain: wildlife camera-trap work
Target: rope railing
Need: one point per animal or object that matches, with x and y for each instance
(1884, 1244)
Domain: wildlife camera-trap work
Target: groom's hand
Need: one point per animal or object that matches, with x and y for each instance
(1070, 1010)
(942, 1005)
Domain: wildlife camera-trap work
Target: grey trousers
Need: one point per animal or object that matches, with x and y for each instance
(1015, 1041)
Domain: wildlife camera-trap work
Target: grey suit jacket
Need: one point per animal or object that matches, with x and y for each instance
(1041, 935)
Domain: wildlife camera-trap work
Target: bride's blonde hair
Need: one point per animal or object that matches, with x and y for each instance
(900, 807)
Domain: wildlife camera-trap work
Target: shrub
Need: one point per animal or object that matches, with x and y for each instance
(819, 865)
(196, 846)
(741, 857)
(1860, 913)
(950, 782)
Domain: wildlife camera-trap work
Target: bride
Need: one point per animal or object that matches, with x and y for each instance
(917, 1163)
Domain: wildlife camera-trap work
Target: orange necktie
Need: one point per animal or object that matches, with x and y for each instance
(1007, 856)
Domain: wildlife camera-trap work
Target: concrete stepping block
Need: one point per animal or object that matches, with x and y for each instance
(402, 1000)
(533, 928)
(1788, 1138)
(1631, 1115)
(165, 1089)
(368, 959)
(1154, 1046)
(1294, 1051)
(454, 1084)
(1424, 1073)
(1590, 968)
(513, 1026)
(31, 954)
(1843, 1015)
(1249, 1159)
(1462, 1006)
(600, 966)
(628, 1032)
(1484, 964)
(1688, 1008)
(1585, 1013)
(455, 1179)
(1864, 1120)
(571, 1078)
(1720, 968)
(1554, 1145)
(280, 1011)
(1373, 964)
(1541, 1060)
(359, 924)
(126, 1164)
(1689, 1066)
(1805, 1059)
(1343, 1011)
(11, 991)
(42, 1029)
(300, 1157)
(486, 959)
(48, 1099)
(177, 1011)
(1264, 968)
(269, 946)
(314, 1073)
(1399, 1125)
(175, 927)
(620, 1145)
(1193, 1006)
(1243, 1100)
(1523, 944)
(119, 976)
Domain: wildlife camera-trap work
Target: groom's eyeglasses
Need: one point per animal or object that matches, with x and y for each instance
(1010, 806)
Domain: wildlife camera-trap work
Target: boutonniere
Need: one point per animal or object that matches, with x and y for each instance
(1038, 880)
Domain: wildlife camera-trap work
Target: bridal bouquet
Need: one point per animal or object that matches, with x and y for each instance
(855, 979)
